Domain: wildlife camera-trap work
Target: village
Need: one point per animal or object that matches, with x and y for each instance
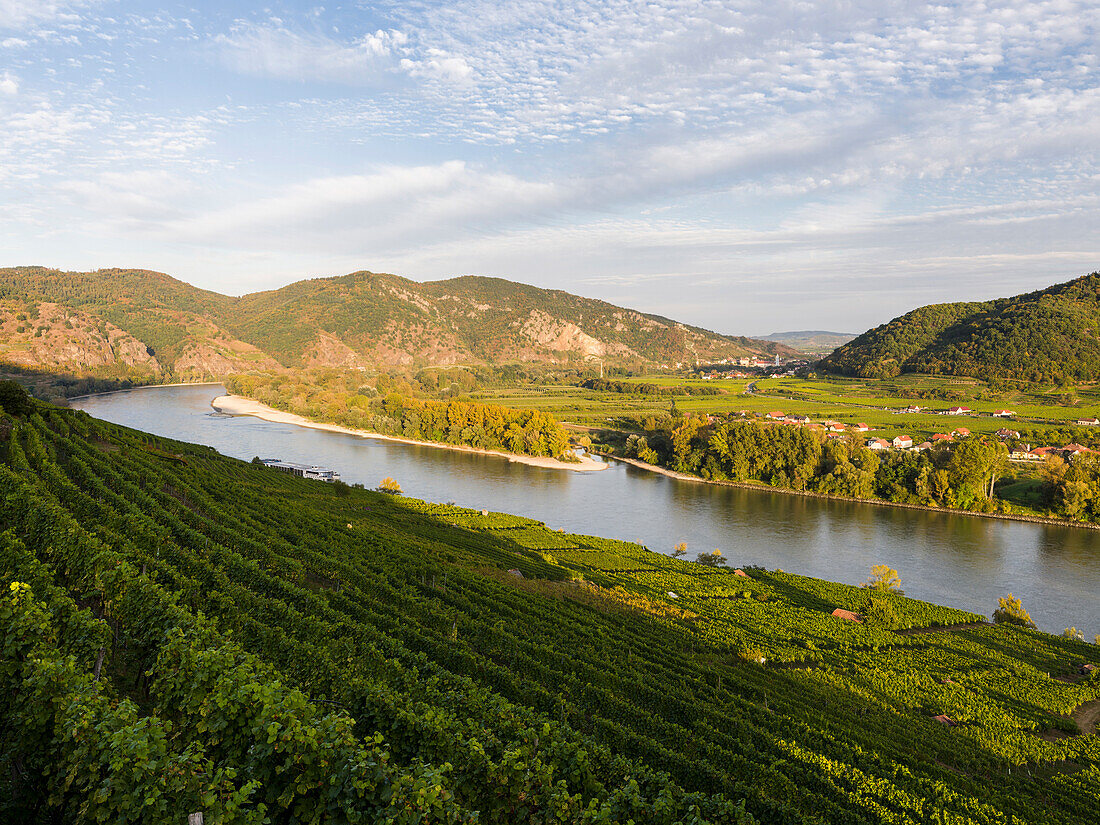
(1019, 452)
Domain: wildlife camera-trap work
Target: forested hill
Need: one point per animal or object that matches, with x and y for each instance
(183, 632)
(152, 322)
(1049, 335)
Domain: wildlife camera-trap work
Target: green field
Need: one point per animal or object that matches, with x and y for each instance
(849, 401)
(185, 632)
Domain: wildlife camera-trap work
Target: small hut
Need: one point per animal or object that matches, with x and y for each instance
(1088, 670)
(847, 615)
(945, 720)
(515, 572)
(741, 573)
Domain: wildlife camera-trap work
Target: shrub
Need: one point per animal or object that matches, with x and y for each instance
(1010, 611)
(389, 485)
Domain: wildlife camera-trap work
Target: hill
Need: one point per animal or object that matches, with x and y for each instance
(149, 323)
(186, 632)
(1052, 335)
(812, 342)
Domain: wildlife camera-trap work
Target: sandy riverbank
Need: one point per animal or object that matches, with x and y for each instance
(239, 405)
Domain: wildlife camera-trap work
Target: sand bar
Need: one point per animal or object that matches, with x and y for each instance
(239, 405)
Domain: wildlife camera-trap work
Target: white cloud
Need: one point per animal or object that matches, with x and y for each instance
(15, 14)
(276, 51)
(9, 84)
(439, 65)
(383, 210)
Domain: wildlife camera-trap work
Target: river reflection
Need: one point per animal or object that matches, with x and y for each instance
(956, 560)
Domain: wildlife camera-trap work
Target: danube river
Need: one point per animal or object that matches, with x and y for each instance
(953, 560)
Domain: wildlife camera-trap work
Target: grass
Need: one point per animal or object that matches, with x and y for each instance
(850, 401)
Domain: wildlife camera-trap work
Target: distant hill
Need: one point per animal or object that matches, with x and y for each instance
(141, 321)
(812, 341)
(1049, 335)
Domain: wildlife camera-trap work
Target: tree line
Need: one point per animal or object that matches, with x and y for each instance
(453, 421)
(964, 475)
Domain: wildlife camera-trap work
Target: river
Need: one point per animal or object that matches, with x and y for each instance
(954, 560)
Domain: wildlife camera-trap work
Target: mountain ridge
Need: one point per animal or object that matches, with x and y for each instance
(358, 320)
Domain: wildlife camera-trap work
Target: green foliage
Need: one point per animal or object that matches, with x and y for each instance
(271, 651)
(1045, 336)
(327, 397)
(14, 400)
(711, 559)
(1010, 611)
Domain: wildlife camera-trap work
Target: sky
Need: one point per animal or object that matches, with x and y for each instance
(749, 167)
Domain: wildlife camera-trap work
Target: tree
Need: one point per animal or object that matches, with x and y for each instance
(711, 559)
(1010, 611)
(389, 485)
(14, 399)
(1073, 633)
(679, 550)
(884, 578)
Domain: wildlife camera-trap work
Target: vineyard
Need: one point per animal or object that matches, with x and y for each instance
(185, 632)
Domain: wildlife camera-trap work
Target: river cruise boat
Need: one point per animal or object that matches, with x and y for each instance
(302, 470)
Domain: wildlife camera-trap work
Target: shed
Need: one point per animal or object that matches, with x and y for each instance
(741, 573)
(847, 615)
(514, 572)
(1087, 670)
(945, 720)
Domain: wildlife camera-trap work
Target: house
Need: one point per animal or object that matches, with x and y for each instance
(960, 432)
(924, 445)
(913, 408)
(1087, 422)
(776, 416)
(1005, 432)
(835, 435)
(862, 428)
(798, 419)
(1075, 449)
(903, 442)
(1042, 452)
(878, 444)
(1024, 455)
(1003, 413)
(959, 411)
(848, 615)
(938, 437)
(836, 427)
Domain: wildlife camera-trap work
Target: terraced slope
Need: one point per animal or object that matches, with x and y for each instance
(183, 631)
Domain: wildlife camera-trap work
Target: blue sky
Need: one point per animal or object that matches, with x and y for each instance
(745, 166)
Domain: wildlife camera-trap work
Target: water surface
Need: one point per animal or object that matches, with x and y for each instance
(954, 560)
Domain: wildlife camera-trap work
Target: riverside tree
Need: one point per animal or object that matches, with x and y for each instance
(1010, 611)
(885, 578)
